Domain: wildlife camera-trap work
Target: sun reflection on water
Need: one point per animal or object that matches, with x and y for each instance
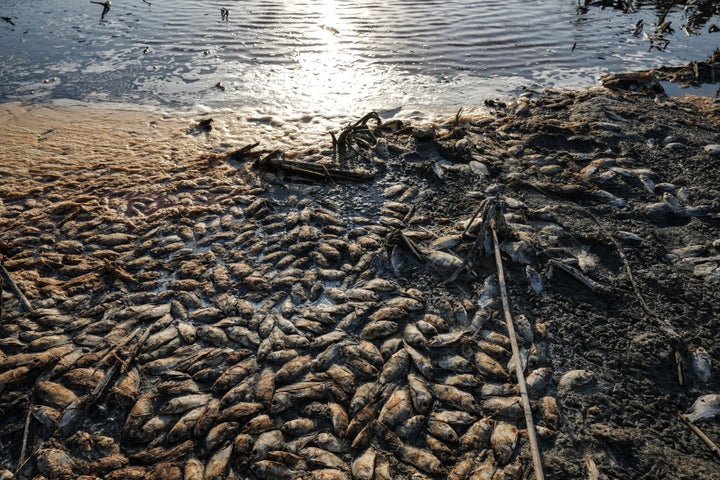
(329, 76)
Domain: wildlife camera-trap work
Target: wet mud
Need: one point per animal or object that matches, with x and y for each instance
(250, 314)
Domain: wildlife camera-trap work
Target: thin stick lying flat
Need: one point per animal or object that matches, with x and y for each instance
(591, 284)
(701, 435)
(532, 435)
(26, 434)
(10, 283)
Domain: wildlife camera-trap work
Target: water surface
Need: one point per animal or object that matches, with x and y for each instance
(310, 61)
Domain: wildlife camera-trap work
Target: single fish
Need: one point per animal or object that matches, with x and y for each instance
(706, 406)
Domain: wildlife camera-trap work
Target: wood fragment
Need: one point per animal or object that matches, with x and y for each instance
(680, 372)
(26, 434)
(276, 161)
(591, 284)
(532, 434)
(701, 435)
(7, 279)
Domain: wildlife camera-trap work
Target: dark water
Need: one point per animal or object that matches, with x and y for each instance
(300, 60)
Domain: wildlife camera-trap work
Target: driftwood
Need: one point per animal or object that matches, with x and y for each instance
(591, 284)
(701, 435)
(7, 279)
(276, 161)
(532, 434)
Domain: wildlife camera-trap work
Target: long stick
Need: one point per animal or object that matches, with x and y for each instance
(701, 435)
(532, 435)
(10, 283)
(26, 434)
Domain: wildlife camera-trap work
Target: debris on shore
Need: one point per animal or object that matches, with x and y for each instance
(335, 312)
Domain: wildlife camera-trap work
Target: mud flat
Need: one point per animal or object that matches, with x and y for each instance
(335, 312)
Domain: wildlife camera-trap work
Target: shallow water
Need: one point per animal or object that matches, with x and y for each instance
(310, 63)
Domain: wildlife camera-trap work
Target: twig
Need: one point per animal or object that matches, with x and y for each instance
(701, 435)
(2, 299)
(26, 434)
(532, 435)
(591, 284)
(10, 283)
(77, 409)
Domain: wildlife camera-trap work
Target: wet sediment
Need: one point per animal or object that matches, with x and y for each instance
(250, 315)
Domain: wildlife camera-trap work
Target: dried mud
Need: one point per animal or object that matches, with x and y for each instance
(162, 278)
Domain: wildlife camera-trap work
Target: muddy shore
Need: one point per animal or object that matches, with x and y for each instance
(248, 314)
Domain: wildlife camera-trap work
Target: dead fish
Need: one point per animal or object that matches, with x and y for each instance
(455, 397)
(323, 458)
(396, 367)
(503, 441)
(194, 470)
(441, 430)
(219, 434)
(462, 468)
(180, 405)
(537, 380)
(364, 394)
(411, 428)
(446, 242)
(575, 379)
(266, 442)
(513, 471)
(422, 362)
(54, 394)
(343, 377)
(338, 417)
(463, 380)
(499, 390)
(379, 329)
(702, 364)
(706, 406)
(489, 366)
(422, 459)
(508, 407)
(455, 363)
(419, 393)
(477, 435)
(55, 463)
(293, 369)
(381, 285)
(363, 467)
(300, 426)
(47, 416)
(13, 376)
(269, 470)
(550, 412)
(397, 408)
(443, 261)
(183, 428)
(234, 375)
(453, 417)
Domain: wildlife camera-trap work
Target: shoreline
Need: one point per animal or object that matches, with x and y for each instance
(271, 298)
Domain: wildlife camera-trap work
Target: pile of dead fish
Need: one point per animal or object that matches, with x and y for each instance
(276, 338)
(236, 329)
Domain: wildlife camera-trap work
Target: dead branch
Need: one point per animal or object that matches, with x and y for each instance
(7, 279)
(532, 434)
